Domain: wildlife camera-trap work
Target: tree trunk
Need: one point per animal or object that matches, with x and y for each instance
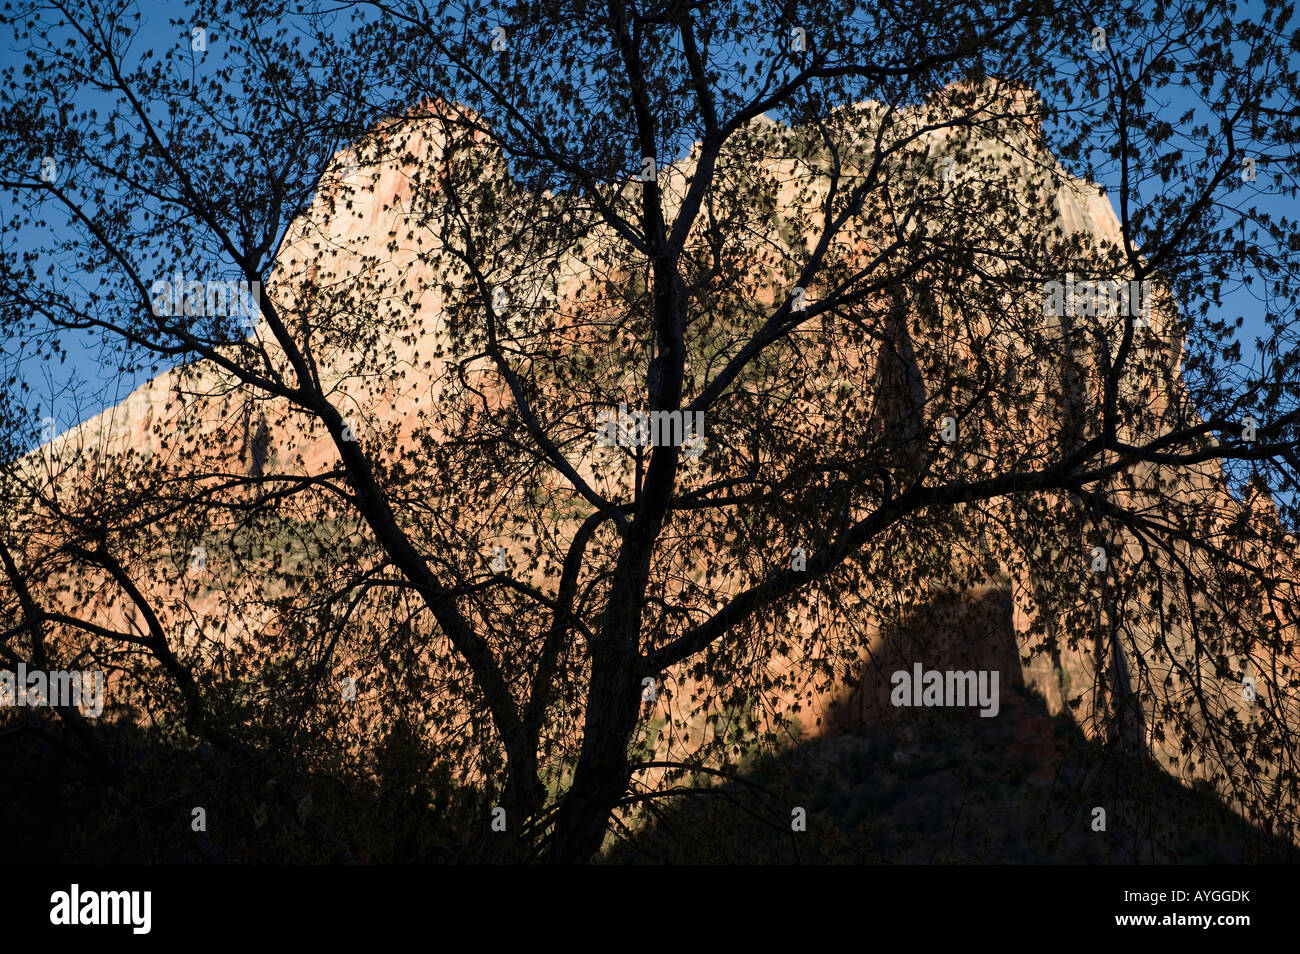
(613, 705)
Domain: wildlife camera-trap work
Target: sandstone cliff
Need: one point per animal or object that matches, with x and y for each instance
(376, 296)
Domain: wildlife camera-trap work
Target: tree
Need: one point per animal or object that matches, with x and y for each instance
(824, 250)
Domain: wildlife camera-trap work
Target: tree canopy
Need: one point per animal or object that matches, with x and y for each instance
(553, 402)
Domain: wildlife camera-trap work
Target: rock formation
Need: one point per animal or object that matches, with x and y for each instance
(377, 298)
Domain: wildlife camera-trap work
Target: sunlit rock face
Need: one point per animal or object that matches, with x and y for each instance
(366, 286)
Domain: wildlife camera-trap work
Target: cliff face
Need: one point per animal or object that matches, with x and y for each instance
(376, 299)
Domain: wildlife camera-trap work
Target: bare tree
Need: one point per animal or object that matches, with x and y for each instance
(619, 361)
